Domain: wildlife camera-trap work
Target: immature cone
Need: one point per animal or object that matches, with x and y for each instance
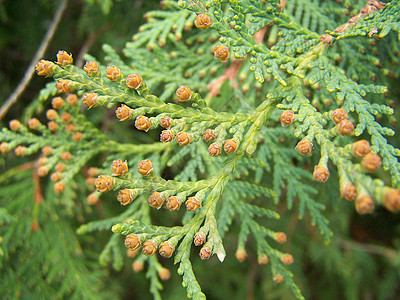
(60, 167)
(230, 146)
(104, 183)
(214, 149)
(72, 99)
(3, 147)
(348, 191)
(119, 167)
(91, 68)
(221, 52)
(371, 162)
(193, 203)
(287, 118)
(142, 123)
(345, 127)
(46, 150)
(183, 93)
(364, 204)
(173, 203)
(63, 58)
(156, 200)
(92, 172)
(321, 173)
(209, 135)
(134, 81)
(339, 115)
(361, 148)
(33, 123)
(202, 21)
(125, 196)
(166, 136)
(65, 117)
(164, 274)
(304, 147)
(132, 241)
(199, 238)
(263, 260)
(14, 125)
(57, 102)
(113, 73)
(55, 177)
(391, 200)
(66, 156)
(92, 199)
(278, 278)
(70, 127)
(166, 249)
(52, 125)
(131, 253)
(149, 247)
(287, 259)
(77, 136)
(205, 253)
(123, 113)
(241, 255)
(182, 138)
(43, 161)
(166, 122)
(145, 167)
(90, 181)
(51, 114)
(59, 187)
(42, 171)
(63, 86)
(137, 266)
(44, 68)
(20, 150)
(280, 237)
(90, 100)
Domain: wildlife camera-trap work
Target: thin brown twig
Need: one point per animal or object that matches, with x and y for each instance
(370, 248)
(12, 99)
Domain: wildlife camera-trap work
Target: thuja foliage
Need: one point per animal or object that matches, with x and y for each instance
(245, 108)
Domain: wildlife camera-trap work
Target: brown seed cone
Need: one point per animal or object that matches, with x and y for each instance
(123, 113)
(287, 118)
(55, 177)
(43, 161)
(166, 136)
(119, 167)
(91, 68)
(361, 148)
(46, 150)
(3, 147)
(164, 274)
(391, 200)
(66, 156)
(125, 196)
(131, 253)
(205, 253)
(193, 203)
(166, 122)
(149, 247)
(304, 147)
(263, 260)
(182, 138)
(132, 241)
(92, 199)
(199, 238)
(142, 123)
(92, 171)
(90, 100)
(209, 135)
(137, 266)
(113, 73)
(241, 255)
(52, 125)
(70, 127)
(214, 149)
(339, 115)
(348, 191)
(65, 117)
(134, 81)
(280, 237)
(287, 259)
(145, 167)
(364, 204)
(57, 102)
(184, 93)
(173, 203)
(166, 249)
(321, 173)
(345, 127)
(77, 136)
(14, 125)
(156, 200)
(202, 21)
(44, 68)
(64, 86)
(371, 162)
(72, 99)
(63, 58)
(42, 171)
(20, 150)
(33, 123)
(221, 53)
(60, 167)
(278, 278)
(104, 183)
(59, 187)
(230, 146)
